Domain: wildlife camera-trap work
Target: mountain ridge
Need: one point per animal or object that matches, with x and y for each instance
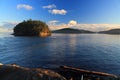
(71, 30)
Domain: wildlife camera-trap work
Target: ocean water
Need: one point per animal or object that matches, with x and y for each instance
(99, 52)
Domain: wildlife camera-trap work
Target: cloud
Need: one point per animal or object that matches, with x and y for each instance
(24, 6)
(3, 29)
(97, 27)
(72, 23)
(52, 22)
(7, 26)
(58, 26)
(91, 27)
(50, 6)
(57, 11)
(53, 9)
(10, 24)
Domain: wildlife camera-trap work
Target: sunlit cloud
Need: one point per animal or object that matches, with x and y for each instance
(50, 6)
(24, 6)
(57, 11)
(91, 27)
(72, 23)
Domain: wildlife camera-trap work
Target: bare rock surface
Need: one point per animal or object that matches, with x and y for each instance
(14, 72)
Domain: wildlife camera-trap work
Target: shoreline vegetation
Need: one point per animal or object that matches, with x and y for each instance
(15, 72)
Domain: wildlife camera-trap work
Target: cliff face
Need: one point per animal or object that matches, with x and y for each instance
(14, 72)
(32, 28)
(45, 32)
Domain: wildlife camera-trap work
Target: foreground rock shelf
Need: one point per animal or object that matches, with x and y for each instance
(15, 72)
(72, 73)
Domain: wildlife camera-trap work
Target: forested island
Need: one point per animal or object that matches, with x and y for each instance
(32, 28)
(112, 31)
(71, 30)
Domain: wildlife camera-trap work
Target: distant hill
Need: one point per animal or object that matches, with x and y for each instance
(112, 31)
(70, 30)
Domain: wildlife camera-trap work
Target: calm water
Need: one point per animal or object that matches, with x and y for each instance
(98, 52)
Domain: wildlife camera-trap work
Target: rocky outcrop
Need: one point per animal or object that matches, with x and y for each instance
(32, 28)
(14, 72)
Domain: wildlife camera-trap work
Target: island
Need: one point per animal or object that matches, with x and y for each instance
(32, 28)
(71, 30)
(112, 31)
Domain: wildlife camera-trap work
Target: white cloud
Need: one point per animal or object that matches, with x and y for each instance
(10, 24)
(52, 22)
(24, 6)
(57, 11)
(72, 23)
(50, 6)
(58, 26)
(3, 29)
(7, 26)
(91, 27)
(97, 27)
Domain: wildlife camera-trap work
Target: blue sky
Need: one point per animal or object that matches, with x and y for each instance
(84, 14)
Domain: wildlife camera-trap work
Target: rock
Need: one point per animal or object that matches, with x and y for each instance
(32, 28)
(15, 72)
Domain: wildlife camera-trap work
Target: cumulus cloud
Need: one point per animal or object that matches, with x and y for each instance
(50, 6)
(72, 23)
(91, 27)
(24, 6)
(57, 11)
(53, 9)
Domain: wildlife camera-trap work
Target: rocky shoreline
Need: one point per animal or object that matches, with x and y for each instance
(15, 72)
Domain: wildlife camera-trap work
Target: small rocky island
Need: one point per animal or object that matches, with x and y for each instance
(32, 28)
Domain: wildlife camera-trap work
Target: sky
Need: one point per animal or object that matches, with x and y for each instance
(93, 15)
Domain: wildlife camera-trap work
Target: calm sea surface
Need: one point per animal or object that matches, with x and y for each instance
(99, 52)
